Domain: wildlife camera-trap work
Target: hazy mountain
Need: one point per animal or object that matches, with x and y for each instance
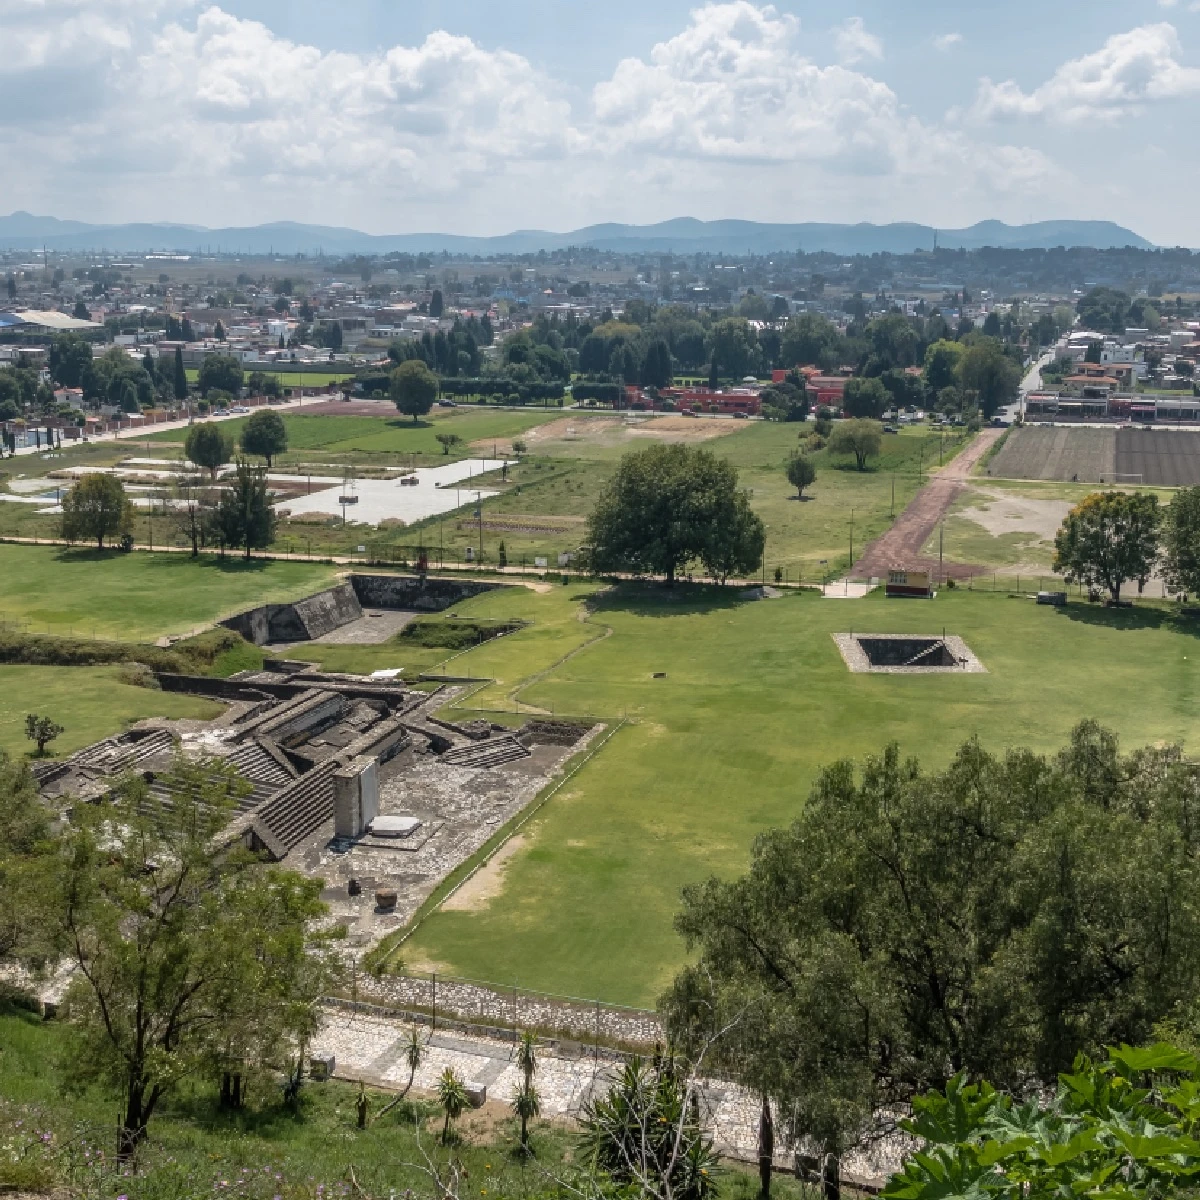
(684, 235)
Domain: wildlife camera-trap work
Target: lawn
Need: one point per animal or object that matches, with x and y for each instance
(89, 702)
(288, 379)
(139, 597)
(755, 700)
(391, 433)
(541, 511)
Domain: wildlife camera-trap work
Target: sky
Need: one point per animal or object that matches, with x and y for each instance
(400, 116)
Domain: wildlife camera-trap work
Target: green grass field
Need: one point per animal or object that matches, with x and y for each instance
(138, 597)
(289, 379)
(89, 702)
(389, 433)
(755, 701)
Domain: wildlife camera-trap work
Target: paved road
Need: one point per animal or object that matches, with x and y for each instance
(901, 545)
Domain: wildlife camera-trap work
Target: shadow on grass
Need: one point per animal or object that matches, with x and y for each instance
(656, 599)
(1131, 618)
(234, 563)
(270, 1119)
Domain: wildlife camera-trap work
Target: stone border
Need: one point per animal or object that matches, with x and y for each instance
(856, 659)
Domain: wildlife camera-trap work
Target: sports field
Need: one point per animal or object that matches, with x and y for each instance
(138, 597)
(1082, 454)
(754, 700)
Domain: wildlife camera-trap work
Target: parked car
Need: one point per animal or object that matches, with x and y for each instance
(240, 408)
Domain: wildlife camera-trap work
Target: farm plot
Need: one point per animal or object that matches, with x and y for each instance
(1158, 457)
(1065, 454)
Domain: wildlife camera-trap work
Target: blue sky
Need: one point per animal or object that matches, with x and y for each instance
(479, 117)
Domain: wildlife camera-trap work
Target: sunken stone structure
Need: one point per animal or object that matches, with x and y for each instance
(361, 782)
(318, 616)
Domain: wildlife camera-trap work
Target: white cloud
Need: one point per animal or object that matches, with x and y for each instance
(854, 43)
(735, 86)
(159, 109)
(1130, 71)
(947, 41)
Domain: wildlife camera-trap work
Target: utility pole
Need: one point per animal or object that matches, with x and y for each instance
(941, 547)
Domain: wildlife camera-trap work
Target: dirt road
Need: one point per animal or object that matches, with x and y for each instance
(901, 545)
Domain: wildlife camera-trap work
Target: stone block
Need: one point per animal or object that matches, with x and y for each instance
(321, 1066)
(476, 1093)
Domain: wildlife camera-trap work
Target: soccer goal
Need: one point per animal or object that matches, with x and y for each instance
(1121, 477)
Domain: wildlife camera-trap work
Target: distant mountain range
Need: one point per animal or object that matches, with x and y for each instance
(684, 235)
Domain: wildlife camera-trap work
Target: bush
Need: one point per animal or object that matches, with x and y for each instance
(453, 635)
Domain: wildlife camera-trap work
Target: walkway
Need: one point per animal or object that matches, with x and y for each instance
(902, 545)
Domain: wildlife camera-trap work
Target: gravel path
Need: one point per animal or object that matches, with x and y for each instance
(901, 545)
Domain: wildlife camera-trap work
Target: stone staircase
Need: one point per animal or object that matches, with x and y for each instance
(492, 753)
(263, 771)
(116, 755)
(297, 811)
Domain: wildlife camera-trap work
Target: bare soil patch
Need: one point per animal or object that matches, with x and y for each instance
(488, 882)
(615, 431)
(1000, 512)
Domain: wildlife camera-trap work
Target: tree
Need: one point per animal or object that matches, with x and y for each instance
(990, 373)
(265, 434)
(801, 473)
(96, 507)
(863, 439)
(207, 445)
(162, 933)
(735, 540)
(180, 378)
(186, 332)
(810, 340)
(42, 730)
(942, 359)
(991, 324)
(1107, 538)
(666, 506)
(1181, 541)
(437, 305)
(734, 346)
(644, 1132)
(657, 369)
(973, 1140)
(219, 331)
(452, 1096)
(865, 398)
(413, 388)
(11, 285)
(128, 396)
(70, 361)
(245, 516)
(194, 508)
(81, 311)
(221, 372)
(448, 441)
(527, 1105)
(24, 851)
(414, 1054)
(995, 918)
(1093, 352)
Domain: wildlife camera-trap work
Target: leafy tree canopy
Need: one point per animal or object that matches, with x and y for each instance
(1107, 539)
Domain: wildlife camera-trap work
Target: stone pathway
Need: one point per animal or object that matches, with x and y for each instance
(372, 1049)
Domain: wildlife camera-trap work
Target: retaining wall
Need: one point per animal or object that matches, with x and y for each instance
(415, 593)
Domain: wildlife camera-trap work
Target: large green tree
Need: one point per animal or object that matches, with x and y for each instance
(179, 379)
(668, 506)
(865, 398)
(1109, 538)
(942, 359)
(96, 508)
(413, 388)
(735, 347)
(989, 373)
(222, 373)
(208, 445)
(810, 340)
(265, 435)
(996, 917)
(1181, 541)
